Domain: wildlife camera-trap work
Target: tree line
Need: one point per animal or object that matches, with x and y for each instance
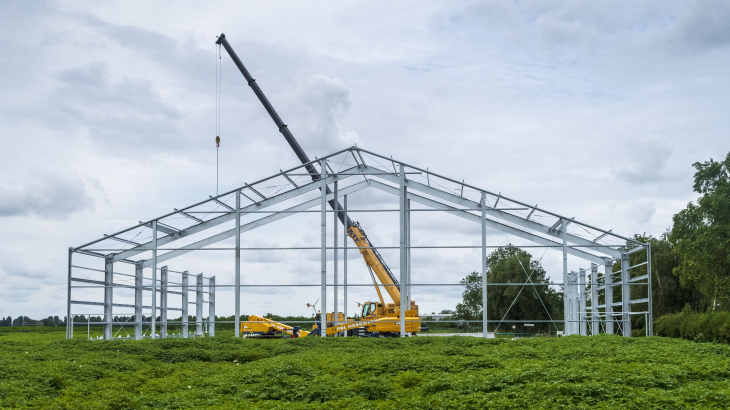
(690, 264)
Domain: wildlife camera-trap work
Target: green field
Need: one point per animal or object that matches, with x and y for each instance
(42, 370)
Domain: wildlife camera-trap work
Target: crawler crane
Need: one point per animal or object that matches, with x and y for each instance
(378, 316)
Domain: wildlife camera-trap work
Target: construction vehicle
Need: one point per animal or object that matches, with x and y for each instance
(380, 317)
(258, 326)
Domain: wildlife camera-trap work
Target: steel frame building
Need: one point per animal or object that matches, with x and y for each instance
(189, 229)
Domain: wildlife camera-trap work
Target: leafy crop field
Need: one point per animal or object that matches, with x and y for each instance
(42, 370)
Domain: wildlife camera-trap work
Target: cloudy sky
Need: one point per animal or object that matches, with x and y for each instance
(107, 114)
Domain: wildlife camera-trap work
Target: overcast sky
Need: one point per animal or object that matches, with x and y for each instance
(107, 114)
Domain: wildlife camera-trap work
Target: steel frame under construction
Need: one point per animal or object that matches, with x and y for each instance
(291, 192)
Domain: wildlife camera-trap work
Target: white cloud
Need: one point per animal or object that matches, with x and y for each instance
(316, 105)
(46, 194)
(107, 118)
(645, 161)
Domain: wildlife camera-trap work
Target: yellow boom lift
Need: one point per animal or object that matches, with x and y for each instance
(380, 316)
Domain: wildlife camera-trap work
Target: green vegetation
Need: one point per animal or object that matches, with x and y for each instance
(690, 267)
(42, 370)
(701, 235)
(699, 327)
(510, 265)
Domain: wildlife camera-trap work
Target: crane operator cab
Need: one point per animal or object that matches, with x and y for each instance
(367, 309)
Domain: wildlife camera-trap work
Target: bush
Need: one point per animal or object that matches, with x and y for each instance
(698, 327)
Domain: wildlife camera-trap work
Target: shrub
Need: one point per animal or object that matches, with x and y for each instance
(698, 327)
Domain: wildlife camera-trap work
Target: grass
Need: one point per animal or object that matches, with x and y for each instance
(43, 370)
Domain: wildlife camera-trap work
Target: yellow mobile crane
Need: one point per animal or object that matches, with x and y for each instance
(379, 316)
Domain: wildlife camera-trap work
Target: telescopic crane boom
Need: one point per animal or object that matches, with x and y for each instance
(376, 317)
(354, 230)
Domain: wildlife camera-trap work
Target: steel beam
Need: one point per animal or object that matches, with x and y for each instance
(358, 150)
(476, 218)
(288, 179)
(221, 203)
(227, 217)
(497, 214)
(252, 225)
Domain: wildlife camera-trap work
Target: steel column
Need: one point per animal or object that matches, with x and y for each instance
(569, 298)
(237, 287)
(344, 263)
(608, 309)
(323, 251)
(336, 252)
(108, 297)
(402, 205)
(582, 312)
(154, 280)
(199, 305)
(211, 306)
(650, 320)
(408, 254)
(485, 317)
(69, 319)
(574, 303)
(163, 302)
(625, 294)
(138, 286)
(566, 302)
(185, 315)
(595, 327)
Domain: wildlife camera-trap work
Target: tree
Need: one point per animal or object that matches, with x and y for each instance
(510, 265)
(20, 319)
(701, 235)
